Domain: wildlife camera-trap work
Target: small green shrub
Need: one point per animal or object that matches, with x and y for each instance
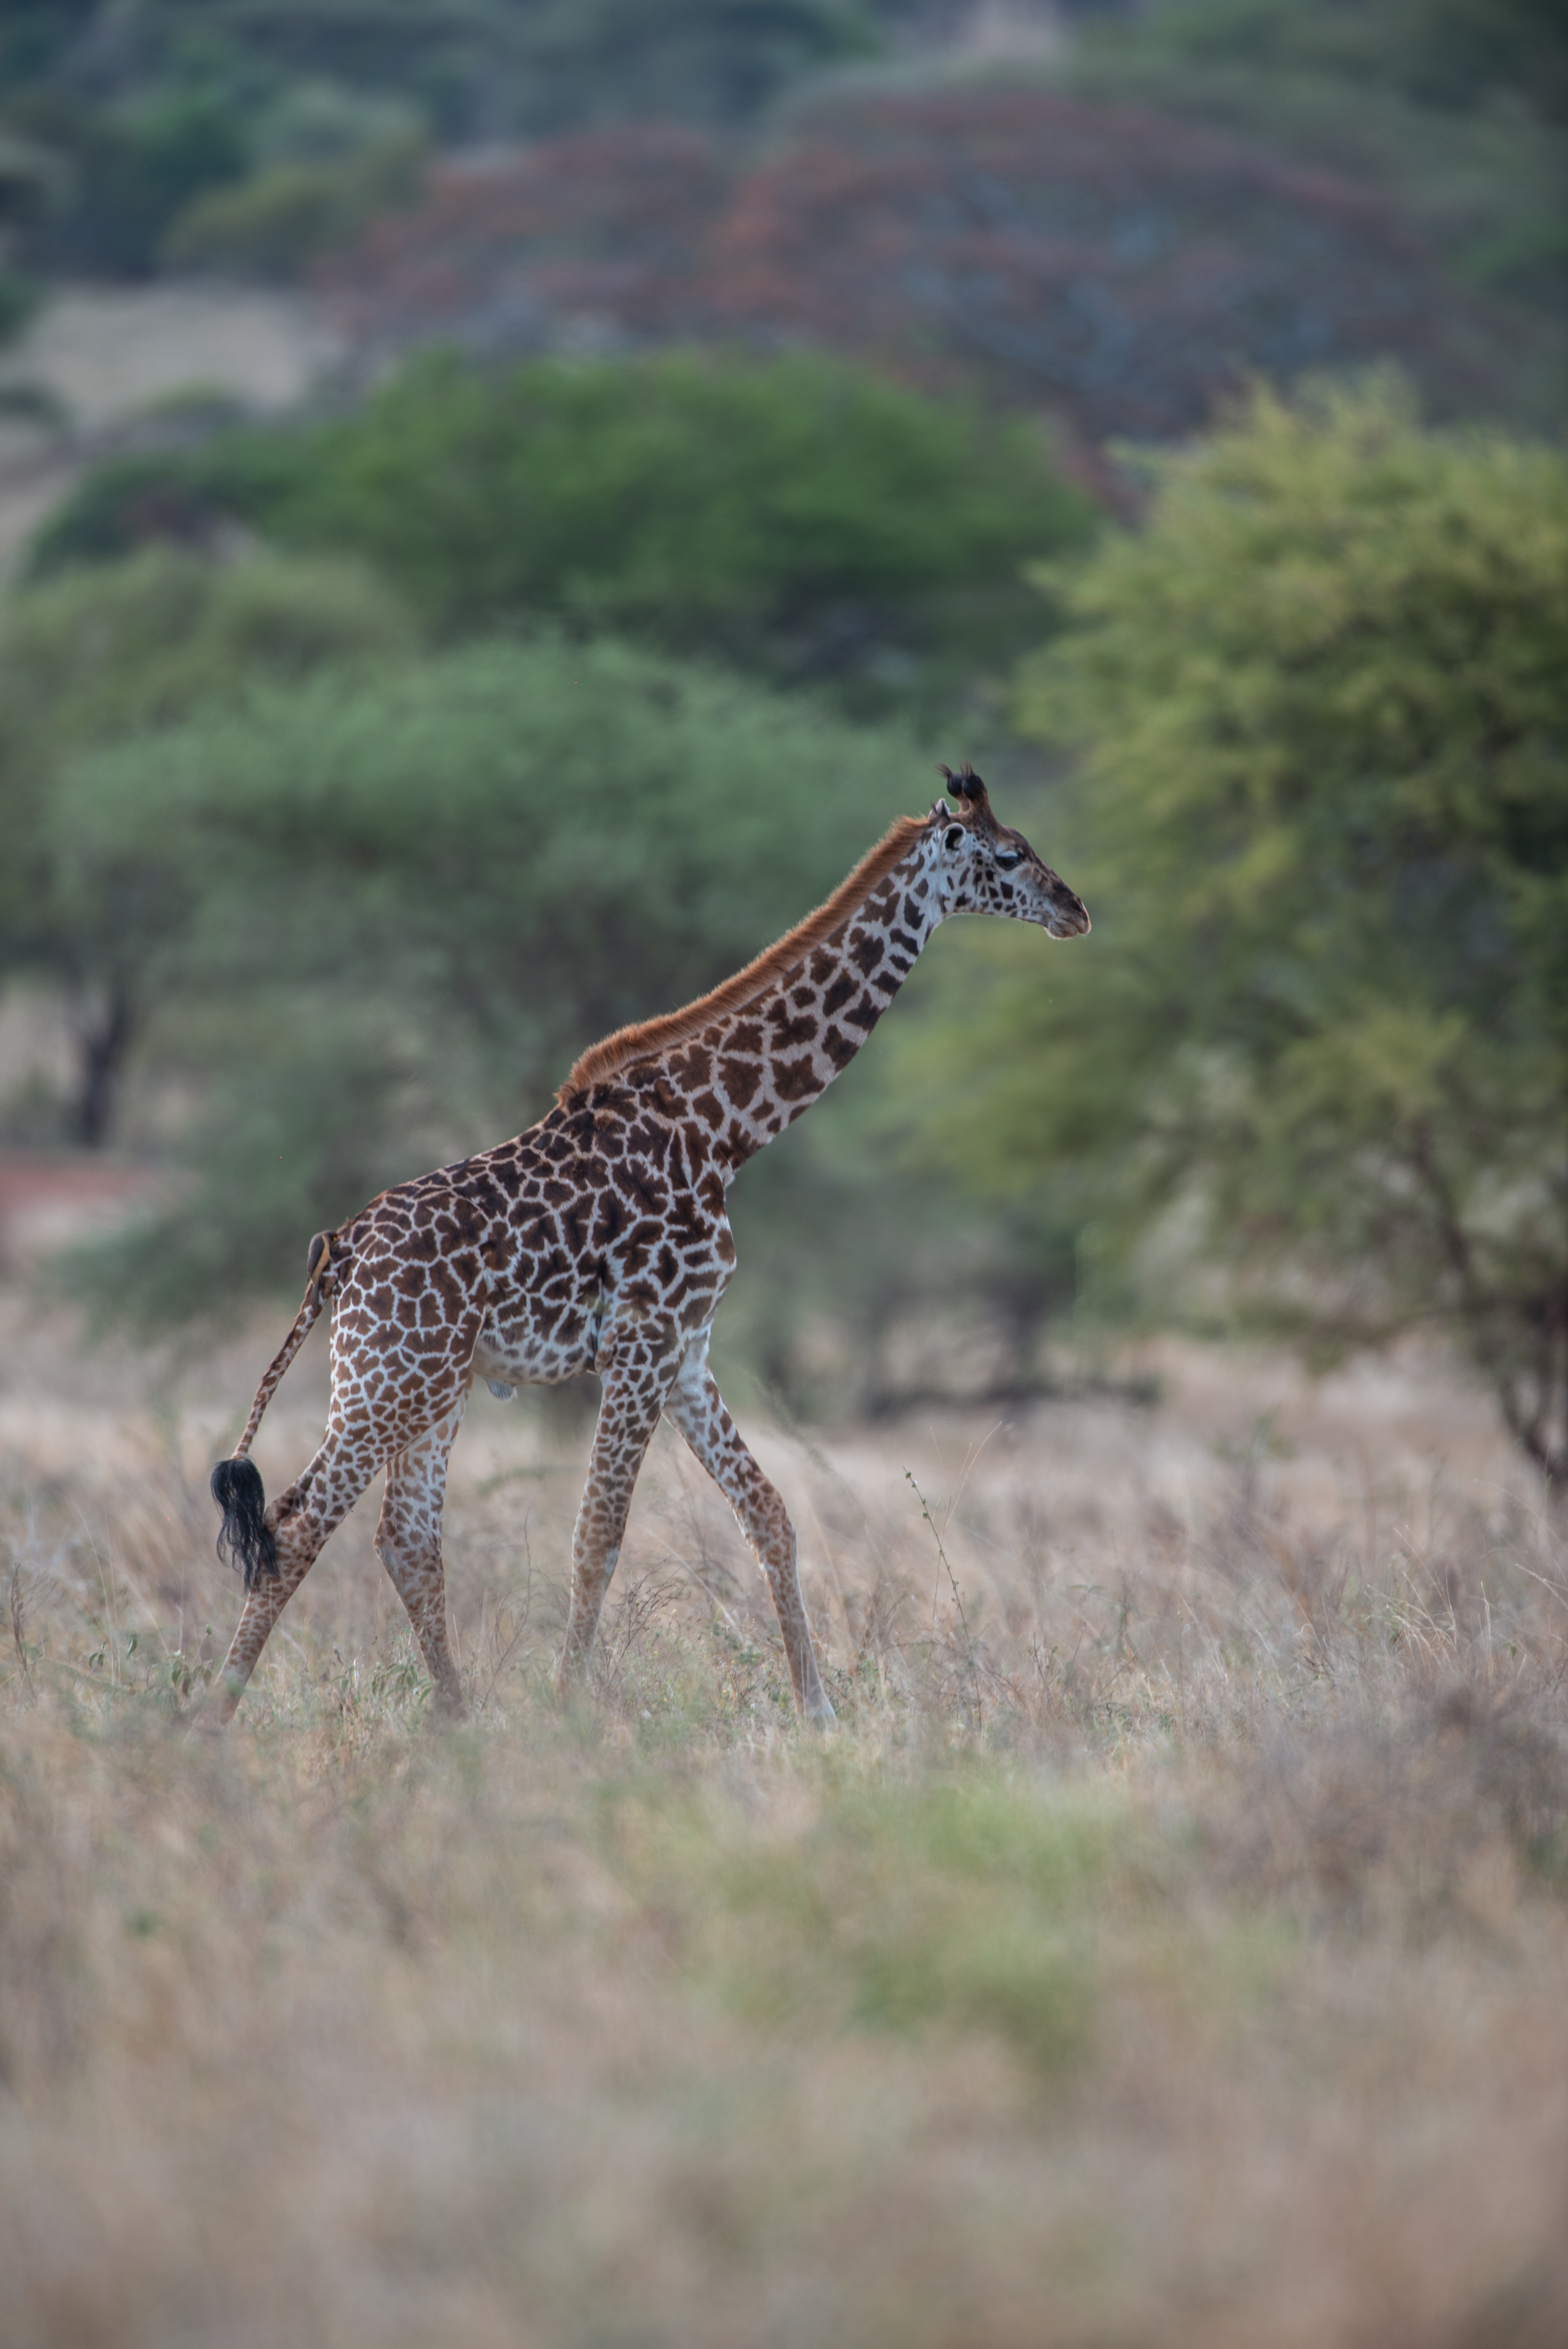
(103, 656)
(272, 225)
(960, 1904)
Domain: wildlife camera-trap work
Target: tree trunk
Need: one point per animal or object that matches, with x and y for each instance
(103, 1039)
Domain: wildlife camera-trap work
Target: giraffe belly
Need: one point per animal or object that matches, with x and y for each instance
(514, 1351)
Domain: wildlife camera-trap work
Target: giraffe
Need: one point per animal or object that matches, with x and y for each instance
(598, 1240)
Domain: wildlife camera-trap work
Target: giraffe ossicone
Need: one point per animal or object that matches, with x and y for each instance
(598, 1240)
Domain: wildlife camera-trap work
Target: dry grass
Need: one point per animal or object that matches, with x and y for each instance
(1171, 1946)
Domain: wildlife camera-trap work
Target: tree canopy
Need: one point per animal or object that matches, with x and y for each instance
(1320, 711)
(143, 112)
(106, 656)
(802, 516)
(442, 878)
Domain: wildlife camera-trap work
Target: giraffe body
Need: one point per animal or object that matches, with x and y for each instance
(598, 1240)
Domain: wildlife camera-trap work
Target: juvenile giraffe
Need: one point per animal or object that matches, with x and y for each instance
(598, 1241)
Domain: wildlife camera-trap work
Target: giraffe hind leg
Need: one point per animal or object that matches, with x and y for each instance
(408, 1538)
(300, 1521)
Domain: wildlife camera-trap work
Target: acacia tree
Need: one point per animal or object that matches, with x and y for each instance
(1320, 711)
(106, 656)
(394, 907)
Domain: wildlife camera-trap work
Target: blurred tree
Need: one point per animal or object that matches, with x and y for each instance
(446, 877)
(1454, 54)
(106, 654)
(274, 225)
(298, 1126)
(526, 845)
(1458, 107)
(1121, 268)
(148, 103)
(127, 172)
(1321, 821)
(803, 517)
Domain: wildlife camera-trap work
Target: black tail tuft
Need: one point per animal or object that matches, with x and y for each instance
(244, 1532)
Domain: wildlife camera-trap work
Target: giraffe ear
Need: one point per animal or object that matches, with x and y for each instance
(940, 807)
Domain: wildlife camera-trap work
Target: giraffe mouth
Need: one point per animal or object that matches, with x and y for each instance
(1068, 919)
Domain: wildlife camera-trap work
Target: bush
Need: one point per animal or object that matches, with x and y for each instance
(1321, 821)
(802, 516)
(105, 654)
(272, 225)
(127, 171)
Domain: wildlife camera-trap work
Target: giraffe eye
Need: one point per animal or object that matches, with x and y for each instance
(1007, 858)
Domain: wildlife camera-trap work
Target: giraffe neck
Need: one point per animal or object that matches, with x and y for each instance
(753, 1070)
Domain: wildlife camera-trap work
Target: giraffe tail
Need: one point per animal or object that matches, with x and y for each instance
(236, 1483)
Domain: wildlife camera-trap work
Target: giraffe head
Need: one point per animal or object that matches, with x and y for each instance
(989, 869)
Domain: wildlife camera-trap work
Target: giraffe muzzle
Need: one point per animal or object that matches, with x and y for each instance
(1067, 915)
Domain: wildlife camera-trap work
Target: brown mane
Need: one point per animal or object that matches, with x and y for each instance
(644, 1038)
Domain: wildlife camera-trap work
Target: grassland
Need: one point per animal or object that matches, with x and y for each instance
(1170, 1947)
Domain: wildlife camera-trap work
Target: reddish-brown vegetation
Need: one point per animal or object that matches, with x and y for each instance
(1121, 267)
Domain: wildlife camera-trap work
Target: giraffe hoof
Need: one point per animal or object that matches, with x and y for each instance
(820, 1712)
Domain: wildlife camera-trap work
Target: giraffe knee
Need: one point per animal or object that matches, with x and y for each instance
(297, 1530)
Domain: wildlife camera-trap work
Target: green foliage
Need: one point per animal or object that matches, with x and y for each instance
(1322, 823)
(965, 1904)
(802, 516)
(128, 171)
(102, 656)
(112, 652)
(298, 1123)
(1454, 54)
(18, 301)
(124, 505)
(692, 60)
(272, 225)
(120, 648)
(1458, 107)
(145, 108)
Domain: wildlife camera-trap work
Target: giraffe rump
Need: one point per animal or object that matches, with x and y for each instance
(244, 1532)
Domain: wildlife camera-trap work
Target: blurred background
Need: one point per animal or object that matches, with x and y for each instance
(502, 501)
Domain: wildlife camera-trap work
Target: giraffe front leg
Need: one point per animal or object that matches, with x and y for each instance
(408, 1542)
(638, 1369)
(698, 1409)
